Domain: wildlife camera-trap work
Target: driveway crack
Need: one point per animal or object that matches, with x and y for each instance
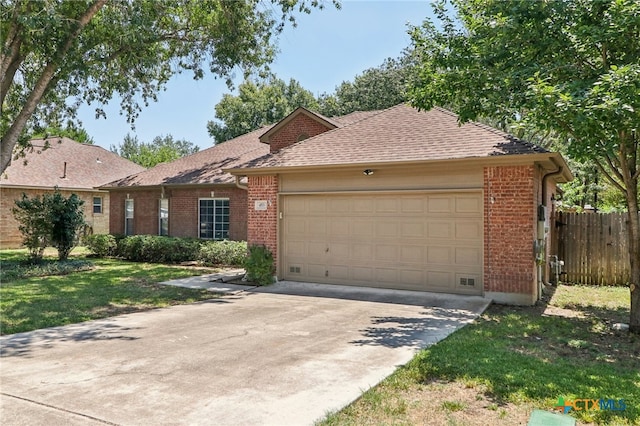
(64, 410)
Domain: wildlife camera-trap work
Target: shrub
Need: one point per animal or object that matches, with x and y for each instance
(259, 265)
(158, 249)
(15, 270)
(49, 220)
(101, 245)
(228, 253)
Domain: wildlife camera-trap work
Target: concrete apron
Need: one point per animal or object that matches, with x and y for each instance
(285, 354)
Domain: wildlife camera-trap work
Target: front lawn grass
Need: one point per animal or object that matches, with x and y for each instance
(512, 360)
(112, 287)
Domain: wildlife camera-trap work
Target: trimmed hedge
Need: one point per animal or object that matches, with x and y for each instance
(223, 253)
(159, 249)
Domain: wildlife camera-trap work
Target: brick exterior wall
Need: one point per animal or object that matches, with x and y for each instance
(289, 134)
(10, 236)
(510, 207)
(263, 224)
(183, 210)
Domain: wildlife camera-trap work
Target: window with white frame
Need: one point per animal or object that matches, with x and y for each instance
(214, 218)
(128, 217)
(163, 226)
(97, 205)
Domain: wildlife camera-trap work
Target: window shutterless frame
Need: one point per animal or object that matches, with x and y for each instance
(163, 217)
(213, 218)
(128, 217)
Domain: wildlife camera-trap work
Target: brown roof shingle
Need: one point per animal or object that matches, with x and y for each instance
(203, 167)
(400, 133)
(87, 166)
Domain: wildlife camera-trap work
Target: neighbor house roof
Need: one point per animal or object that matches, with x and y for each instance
(398, 134)
(203, 167)
(67, 164)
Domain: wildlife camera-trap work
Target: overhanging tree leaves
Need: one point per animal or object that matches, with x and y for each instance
(571, 67)
(90, 50)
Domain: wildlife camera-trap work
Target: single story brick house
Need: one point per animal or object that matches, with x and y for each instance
(72, 167)
(404, 199)
(193, 196)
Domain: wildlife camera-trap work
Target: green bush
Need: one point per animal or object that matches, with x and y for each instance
(259, 265)
(227, 253)
(101, 245)
(158, 249)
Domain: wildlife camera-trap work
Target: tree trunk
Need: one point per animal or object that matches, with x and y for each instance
(634, 255)
(10, 138)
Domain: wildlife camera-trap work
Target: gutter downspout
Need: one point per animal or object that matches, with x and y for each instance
(541, 244)
(239, 185)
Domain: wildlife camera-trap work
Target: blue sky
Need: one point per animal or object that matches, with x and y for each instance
(328, 47)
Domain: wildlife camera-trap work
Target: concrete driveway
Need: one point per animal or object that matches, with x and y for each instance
(285, 354)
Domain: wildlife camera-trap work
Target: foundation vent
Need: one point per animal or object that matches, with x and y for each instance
(294, 269)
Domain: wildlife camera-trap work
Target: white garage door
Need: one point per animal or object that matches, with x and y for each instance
(412, 241)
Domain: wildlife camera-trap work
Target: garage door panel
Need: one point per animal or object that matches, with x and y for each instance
(468, 205)
(412, 254)
(468, 256)
(386, 229)
(429, 242)
(362, 251)
(440, 279)
(362, 228)
(439, 255)
(439, 229)
(316, 249)
(414, 205)
(362, 205)
(440, 204)
(412, 229)
(468, 230)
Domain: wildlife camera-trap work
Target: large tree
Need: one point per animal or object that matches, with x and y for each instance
(571, 67)
(161, 150)
(57, 54)
(257, 104)
(376, 88)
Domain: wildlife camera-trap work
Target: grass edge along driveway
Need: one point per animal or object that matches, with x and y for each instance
(513, 360)
(112, 287)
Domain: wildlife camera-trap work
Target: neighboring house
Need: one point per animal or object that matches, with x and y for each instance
(193, 196)
(402, 199)
(72, 167)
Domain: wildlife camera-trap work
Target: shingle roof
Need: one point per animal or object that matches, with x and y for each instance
(87, 166)
(203, 167)
(400, 133)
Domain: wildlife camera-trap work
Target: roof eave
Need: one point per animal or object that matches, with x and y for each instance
(546, 160)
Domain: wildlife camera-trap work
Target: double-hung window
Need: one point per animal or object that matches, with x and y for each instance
(97, 205)
(128, 217)
(163, 223)
(214, 218)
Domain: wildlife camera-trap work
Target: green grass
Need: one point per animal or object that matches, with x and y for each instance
(113, 287)
(525, 357)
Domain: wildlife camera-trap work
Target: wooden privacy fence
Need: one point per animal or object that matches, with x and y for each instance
(594, 247)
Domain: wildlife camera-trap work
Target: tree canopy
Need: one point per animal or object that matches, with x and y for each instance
(268, 101)
(376, 88)
(58, 54)
(161, 150)
(258, 104)
(570, 67)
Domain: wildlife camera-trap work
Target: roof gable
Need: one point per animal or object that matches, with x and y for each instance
(67, 164)
(325, 122)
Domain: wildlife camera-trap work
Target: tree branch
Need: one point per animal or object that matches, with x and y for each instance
(42, 85)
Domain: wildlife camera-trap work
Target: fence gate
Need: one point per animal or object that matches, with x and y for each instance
(594, 247)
